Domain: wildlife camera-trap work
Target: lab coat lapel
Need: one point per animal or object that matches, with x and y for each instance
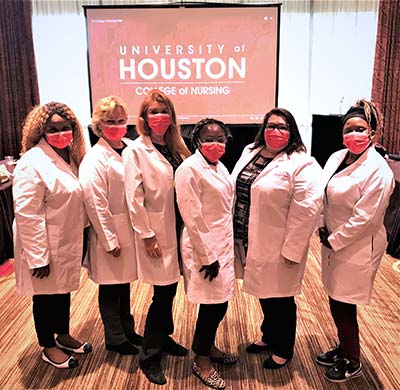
(205, 165)
(152, 150)
(278, 159)
(243, 161)
(71, 168)
(109, 150)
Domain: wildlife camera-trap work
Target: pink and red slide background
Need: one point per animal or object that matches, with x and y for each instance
(249, 32)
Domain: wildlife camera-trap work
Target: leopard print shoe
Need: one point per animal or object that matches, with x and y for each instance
(214, 380)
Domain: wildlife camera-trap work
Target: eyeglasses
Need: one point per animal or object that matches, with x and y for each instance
(221, 140)
(280, 127)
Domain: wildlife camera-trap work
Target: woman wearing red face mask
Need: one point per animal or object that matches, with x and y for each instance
(150, 163)
(358, 186)
(205, 198)
(278, 199)
(49, 222)
(112, 258)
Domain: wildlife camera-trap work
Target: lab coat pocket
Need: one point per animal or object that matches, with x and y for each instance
(157, 223)
(123, 229)
(53, 234)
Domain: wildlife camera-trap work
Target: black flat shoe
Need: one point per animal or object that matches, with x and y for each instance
(125, 348)
(154, 373)
(171, 347)
(255, 348)
(135, 339)
(271, 364)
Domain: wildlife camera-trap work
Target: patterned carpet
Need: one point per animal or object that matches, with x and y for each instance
(21, 367)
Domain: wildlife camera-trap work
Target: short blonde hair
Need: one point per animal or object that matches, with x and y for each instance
(104, 107)
(34, 128)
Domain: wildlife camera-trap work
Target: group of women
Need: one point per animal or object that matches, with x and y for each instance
(154, 211)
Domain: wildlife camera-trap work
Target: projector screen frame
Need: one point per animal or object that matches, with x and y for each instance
(190, 5)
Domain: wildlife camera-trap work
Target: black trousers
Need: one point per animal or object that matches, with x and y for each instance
(159, 324)
(208, 320)
(279, 325)
(345, 317)
(51, 316)
(115, 311)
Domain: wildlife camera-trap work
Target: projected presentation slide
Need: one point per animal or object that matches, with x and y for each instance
(212, 62)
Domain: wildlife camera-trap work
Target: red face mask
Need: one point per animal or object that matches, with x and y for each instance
(212, 151)
(159, 123)
(356, 142)
(59, 140)
(114, 132)
(276, 140)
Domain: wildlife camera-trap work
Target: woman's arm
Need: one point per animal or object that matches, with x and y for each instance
(304, 209)
(30, 216)
(367, 211)
(190, 207)
(93, 178)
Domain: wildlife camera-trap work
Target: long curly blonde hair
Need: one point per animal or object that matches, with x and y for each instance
(34, 128)
(173, 137)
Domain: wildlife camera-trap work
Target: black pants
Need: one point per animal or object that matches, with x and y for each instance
(279, 325)
(115, 310)
(208, 320)
(159, 324)
(51, 316)
(345, 317)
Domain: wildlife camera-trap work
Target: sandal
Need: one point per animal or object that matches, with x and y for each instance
(225, 358)
(214, 380)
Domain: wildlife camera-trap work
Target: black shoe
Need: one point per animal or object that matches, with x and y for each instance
(154, 373)
(255, 348)
(135, 338)
(173, 348)
(271, 364)
(343, 371)
(330, 358)
(125, 348)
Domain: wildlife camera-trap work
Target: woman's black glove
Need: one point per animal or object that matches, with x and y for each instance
(323, 237)
(41, 272)
(211, 270)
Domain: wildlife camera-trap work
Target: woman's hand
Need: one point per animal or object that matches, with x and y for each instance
(211, 270)
(41, 272)
(115, 252)
(323, 237)
(152, 247)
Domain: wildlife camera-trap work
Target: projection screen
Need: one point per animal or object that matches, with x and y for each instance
(219, 62)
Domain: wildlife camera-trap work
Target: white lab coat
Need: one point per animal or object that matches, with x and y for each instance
(101, 174)
(286, 199)
(49, 222)
(354, 207)
(149, 189)
(205, 199)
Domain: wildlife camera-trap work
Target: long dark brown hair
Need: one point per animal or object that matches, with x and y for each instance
(295, 142)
